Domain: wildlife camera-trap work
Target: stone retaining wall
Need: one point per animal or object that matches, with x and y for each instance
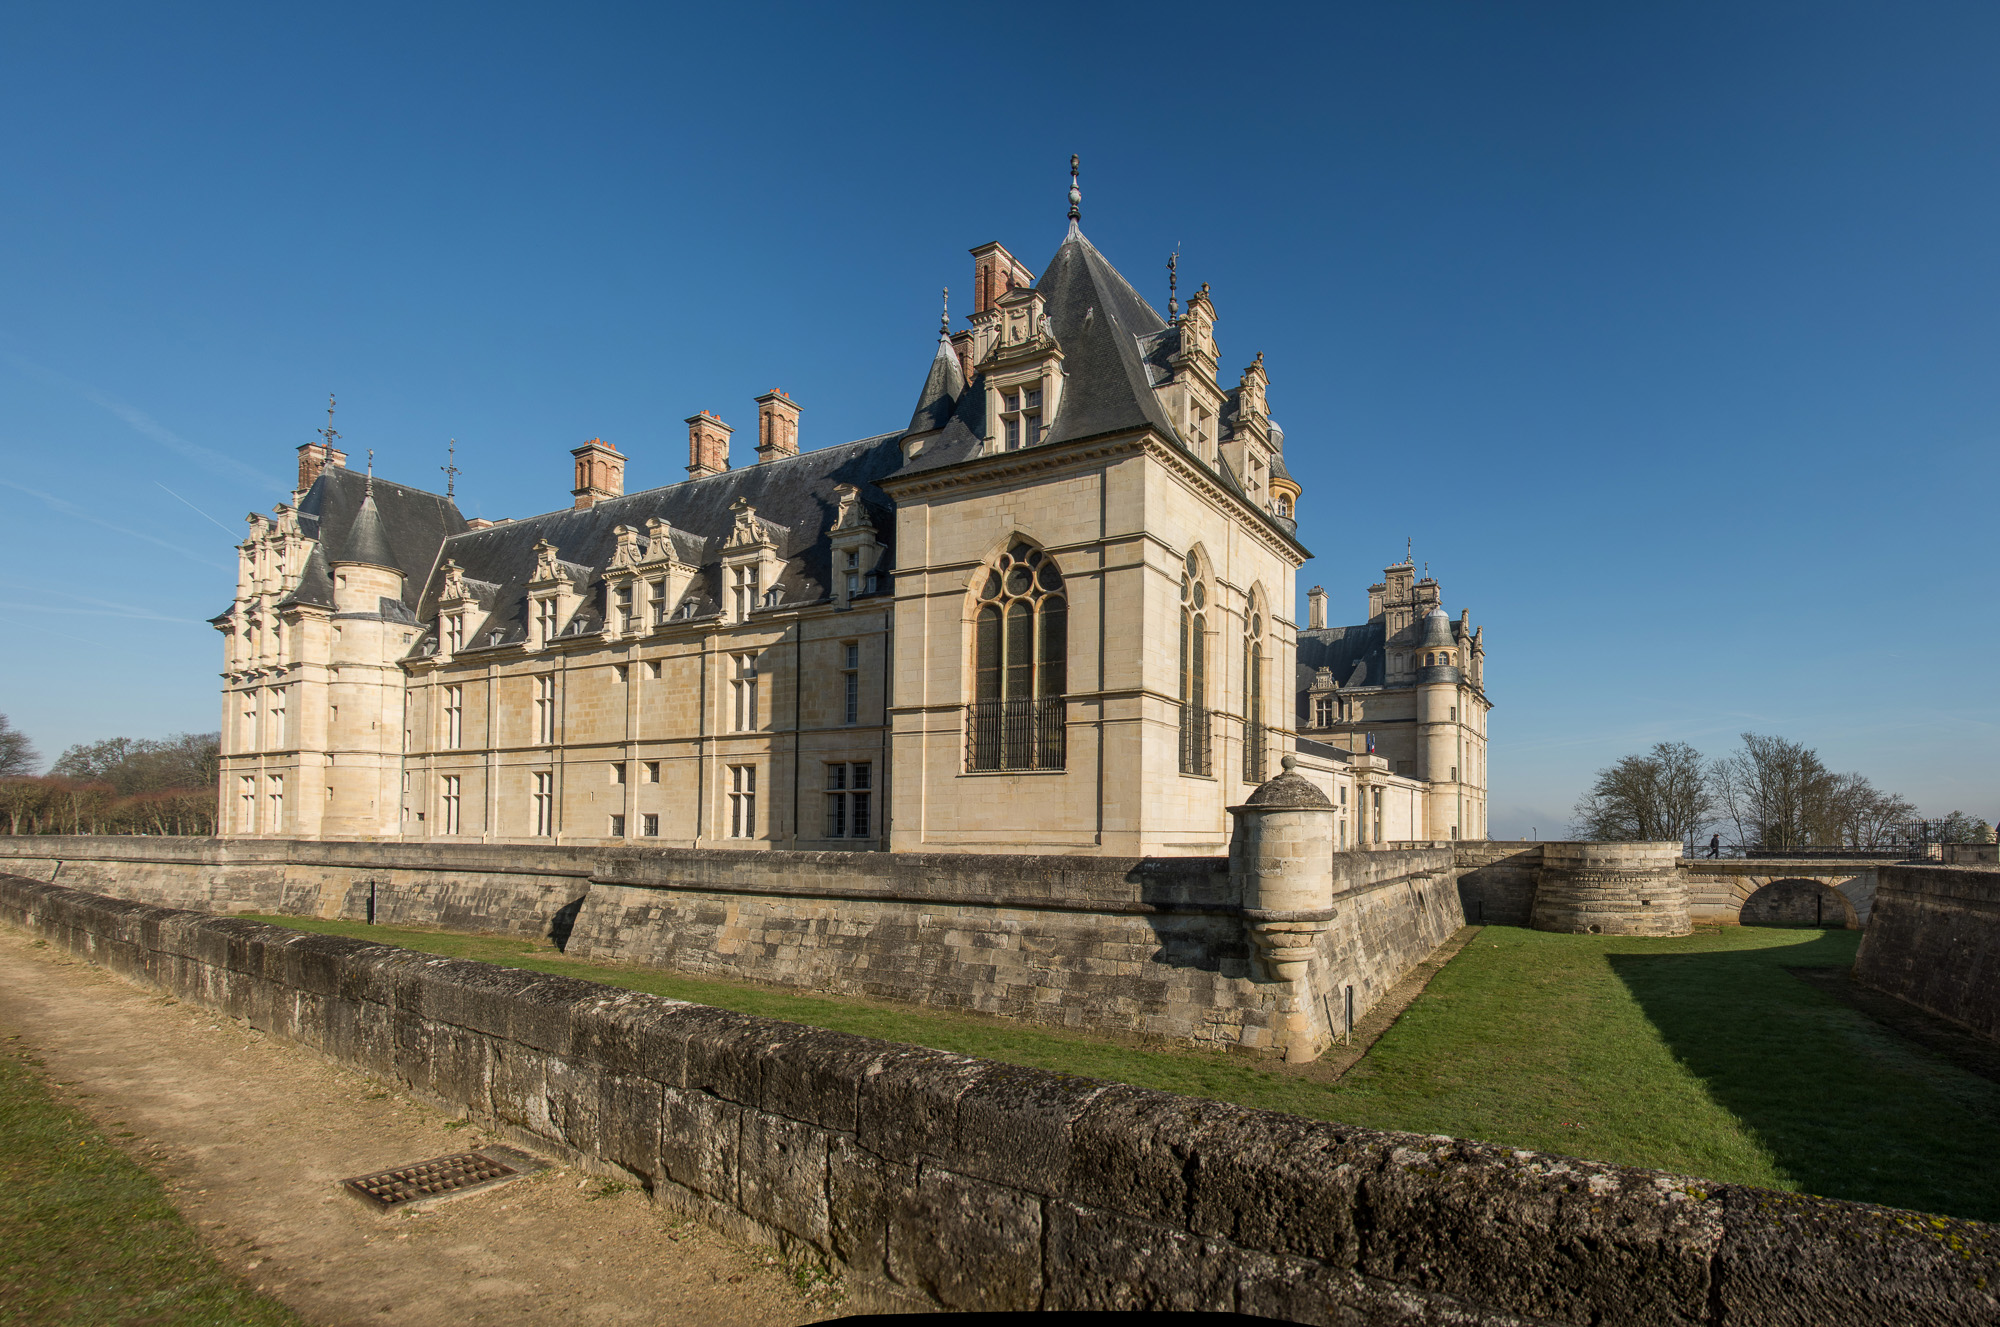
(1154, 946)
(1934, 940)
(1611, 889)
(942, 1180)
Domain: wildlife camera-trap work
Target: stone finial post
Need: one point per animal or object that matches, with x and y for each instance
(1281, 859)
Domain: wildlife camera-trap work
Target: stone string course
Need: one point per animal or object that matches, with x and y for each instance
(941, 1180)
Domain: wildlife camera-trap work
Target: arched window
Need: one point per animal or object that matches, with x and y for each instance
(1020, 664)
(1253, 696)
(1285, 505)
(1194, 718)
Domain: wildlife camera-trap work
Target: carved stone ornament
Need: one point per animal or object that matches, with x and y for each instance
(852, 515)
(546, 567)
(454, 582)
(659, 541)
(748, 529)
(626, 554)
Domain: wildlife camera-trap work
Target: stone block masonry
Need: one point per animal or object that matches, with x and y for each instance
(945, 1181)
(1934, 939)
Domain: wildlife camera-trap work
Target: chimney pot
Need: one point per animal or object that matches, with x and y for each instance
(600, 473)
(1315, 608)
(777, 426)
(708, 444)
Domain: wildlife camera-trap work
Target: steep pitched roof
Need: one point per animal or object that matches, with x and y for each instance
(942, 387)
(412, 525)
(1354, 654)
(795, 497)
(366, 541)
(315, 587)
(1099, 320)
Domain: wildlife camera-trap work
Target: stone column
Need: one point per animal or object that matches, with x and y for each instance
(1281, 860)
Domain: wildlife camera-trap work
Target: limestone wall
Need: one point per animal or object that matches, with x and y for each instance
(1611, 889)
(1155, 946)
(1934, 940)
(938, 1180)
(1496, 881)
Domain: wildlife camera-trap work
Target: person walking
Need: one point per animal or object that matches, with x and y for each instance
(1715, 845)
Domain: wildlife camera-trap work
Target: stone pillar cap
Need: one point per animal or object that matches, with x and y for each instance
(1289, 791)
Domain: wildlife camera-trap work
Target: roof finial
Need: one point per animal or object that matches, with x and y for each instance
(1173, 287)
(944, 318)
(1409, 545)
(328, 432)
(1075, 193)
(450, 468)
(368, 489)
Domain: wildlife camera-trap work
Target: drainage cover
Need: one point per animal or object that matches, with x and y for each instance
(440, 1177)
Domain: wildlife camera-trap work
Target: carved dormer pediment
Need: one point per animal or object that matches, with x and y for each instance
(625, 553)
(748, 531)
(548, 566)
(851, 515)
(452, 591)
(1197, 327)
(857, 552)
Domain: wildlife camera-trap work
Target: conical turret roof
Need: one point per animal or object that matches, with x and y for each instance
(367, 542)
(1437, 629)
(941, 391)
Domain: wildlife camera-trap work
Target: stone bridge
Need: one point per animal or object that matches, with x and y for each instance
(1810, 891)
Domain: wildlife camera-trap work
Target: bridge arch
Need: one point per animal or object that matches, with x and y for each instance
(1798, 901)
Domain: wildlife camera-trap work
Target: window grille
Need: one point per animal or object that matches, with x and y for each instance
(1195, 755)
(849, 794)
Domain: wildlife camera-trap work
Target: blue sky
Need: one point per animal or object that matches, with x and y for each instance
(1669, 333)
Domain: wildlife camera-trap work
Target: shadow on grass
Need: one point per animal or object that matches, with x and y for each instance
(1846, 1107)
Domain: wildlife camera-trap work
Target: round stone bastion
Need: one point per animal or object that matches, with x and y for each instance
(1611, 889)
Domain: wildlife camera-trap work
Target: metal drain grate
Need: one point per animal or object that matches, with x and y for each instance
(440, 1177)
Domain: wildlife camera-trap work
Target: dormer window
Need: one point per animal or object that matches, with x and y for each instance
(853, 573)
(746, 589)
(545, 621)
(1285, 505)
(454, 632)
(658, 598)
(624, 603)
(1021, 418)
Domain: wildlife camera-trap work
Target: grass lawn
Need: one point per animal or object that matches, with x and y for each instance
(87, 1236)
(1700, 1055)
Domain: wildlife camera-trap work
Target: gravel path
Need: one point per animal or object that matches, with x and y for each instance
(251, 1136)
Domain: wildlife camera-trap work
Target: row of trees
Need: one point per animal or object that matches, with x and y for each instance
(1770, 793)
(122, 785)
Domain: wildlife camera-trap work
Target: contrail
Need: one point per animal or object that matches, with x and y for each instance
(72, 510)
(199, 512)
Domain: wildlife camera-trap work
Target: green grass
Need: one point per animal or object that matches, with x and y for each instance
(1699, 1055)
(87, 1236)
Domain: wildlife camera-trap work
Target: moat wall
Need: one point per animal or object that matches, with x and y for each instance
(1934, 940)
(944, 1181)
(1155, 946)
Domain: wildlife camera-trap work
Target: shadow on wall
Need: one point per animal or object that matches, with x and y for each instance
(1799, 903)
(1817, 1082)
(562, 924)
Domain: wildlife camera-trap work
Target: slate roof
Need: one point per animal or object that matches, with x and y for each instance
(411, 525)
(1355, 654)
(942, 388)
(794, 497)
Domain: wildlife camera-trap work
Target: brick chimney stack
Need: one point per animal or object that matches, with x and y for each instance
(600, 473)
(708, 445)
(315, 457)
(777, 426)
(1315, 609)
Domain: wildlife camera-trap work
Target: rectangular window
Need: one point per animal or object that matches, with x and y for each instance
(618, 771)
(1013, 433)
(657, 596)
(849, 787)
(625, 613)
(545, 621)
(454, 632)
(250, 720)
(1031, 418)
(652, 771)
(850, 681)
(746, 587)
(620, 672)
(618, 827)
(545, 805)
(649, 826)
(454, 717)
(1323, 712)
(451, 803)
(246, 806)
(278, 716)
(277, 803)
(653, 671)
(545, 708)
(744, 688)
(742, 801)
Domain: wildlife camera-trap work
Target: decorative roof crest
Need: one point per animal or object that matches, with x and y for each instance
(748, 528)
(547, 568)
(852, 515)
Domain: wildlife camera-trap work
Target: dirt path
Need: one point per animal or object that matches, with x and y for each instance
(251, 1135)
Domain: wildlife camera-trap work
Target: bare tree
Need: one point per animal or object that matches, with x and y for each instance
(144, 765)
(1664, 794)
(18, 757)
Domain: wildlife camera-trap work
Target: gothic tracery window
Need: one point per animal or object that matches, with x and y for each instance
(1194, 720)
(1020, 663)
